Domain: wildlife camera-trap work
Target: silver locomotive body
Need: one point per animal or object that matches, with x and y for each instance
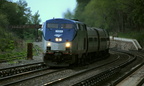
(68, 42)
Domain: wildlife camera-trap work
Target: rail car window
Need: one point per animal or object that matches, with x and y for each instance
(84, 27)
(90, 39)
(79, 26)
(51, 25)
(95, 39)
(67, 26)
(103, 39)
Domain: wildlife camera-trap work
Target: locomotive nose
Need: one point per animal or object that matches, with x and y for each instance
(65, 46)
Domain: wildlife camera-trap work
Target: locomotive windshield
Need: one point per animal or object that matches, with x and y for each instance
(63, 26)
(67, 26)
(52, 25)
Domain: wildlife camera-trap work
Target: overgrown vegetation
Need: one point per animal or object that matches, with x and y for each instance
(117, 16)
(139, 35)
(13, 41)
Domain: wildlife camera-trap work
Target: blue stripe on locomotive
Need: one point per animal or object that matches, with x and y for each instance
(65, 34)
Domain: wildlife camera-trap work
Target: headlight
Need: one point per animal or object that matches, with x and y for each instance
(49, 44)
(58, 39)
(68, 44)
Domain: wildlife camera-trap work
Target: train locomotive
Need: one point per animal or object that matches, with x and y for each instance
(67, 42)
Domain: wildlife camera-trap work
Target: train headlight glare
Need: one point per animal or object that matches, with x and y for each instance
(68, 44)
(60, 39)
(56, 39)
(48, 44)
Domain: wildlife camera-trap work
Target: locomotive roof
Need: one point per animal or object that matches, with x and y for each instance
(63, 20)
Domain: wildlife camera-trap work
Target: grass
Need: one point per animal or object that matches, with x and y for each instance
(18, 54)
(12, 56)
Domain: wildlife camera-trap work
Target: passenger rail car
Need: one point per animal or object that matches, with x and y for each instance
(67, 42)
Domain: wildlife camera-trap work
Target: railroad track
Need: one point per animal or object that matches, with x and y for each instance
(21, 78)
(135, 75)
(89, 75)
(50, 77)
(9, 71)
(92, 76)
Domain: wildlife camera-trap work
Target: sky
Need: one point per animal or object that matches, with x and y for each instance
(49, 9)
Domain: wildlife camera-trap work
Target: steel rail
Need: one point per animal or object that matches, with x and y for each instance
(101, 77)
(21, 74)
(106, 74)
(36, 76)
(1, 69)
(19, 69)
(32, 77)
(133, 69)
(77, 74)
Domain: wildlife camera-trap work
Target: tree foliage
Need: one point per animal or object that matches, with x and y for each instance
(115, 15)
(15, 14)
(68, 14)
(35, 18)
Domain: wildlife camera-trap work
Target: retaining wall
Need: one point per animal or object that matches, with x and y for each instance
(124, 43)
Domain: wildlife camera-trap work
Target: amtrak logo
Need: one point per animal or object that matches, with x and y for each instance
(58, 35)
(59, 31)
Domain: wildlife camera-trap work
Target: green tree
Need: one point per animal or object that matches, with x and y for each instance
(137, 14)
(35, 18)
(115, 15)
(3, 20)
(26, 17)
(80, 8)
(68, 14)
(32, 32)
